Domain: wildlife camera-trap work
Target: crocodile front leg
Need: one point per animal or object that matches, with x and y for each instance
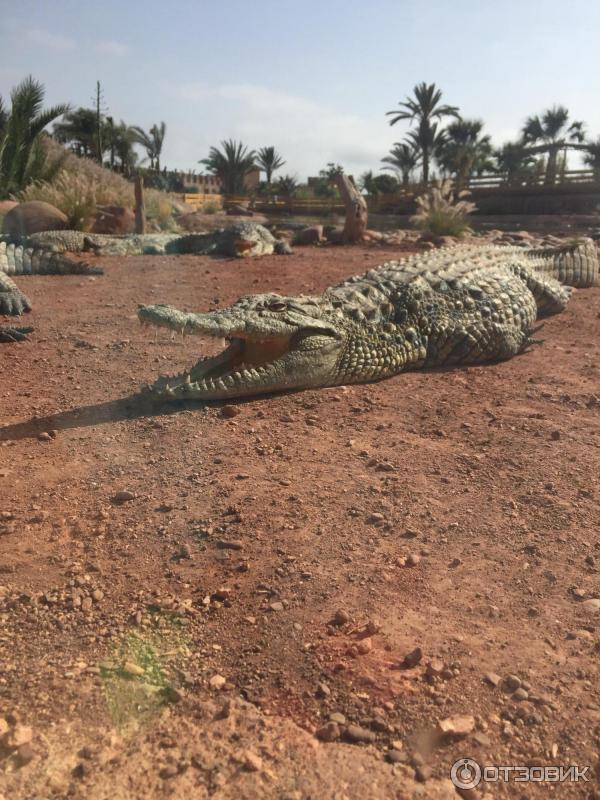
(8, 334)
(12, 300)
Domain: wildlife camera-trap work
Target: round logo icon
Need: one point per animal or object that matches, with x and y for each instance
(465, 773)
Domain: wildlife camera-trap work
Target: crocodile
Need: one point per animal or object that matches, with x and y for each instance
(43, 253)
(239, 239)
(458, 305)
(29, 259)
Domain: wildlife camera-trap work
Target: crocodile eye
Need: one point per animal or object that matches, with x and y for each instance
(276, 305)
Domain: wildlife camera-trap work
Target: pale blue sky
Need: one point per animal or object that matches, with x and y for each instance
(312, 78)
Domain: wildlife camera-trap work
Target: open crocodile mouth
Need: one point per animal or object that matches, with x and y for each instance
(246, 366)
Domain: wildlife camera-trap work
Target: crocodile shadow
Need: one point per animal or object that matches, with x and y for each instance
(124, 408)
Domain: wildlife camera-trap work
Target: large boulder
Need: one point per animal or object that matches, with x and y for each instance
(114, 219)
(6, 206)
(33, 217)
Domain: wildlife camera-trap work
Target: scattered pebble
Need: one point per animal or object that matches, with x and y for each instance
(252, 762)
(340, 617)
(329, 732)
(132, 668)
(492, 678)
(592, 605)
(44, 437)
(354, 733)
(123, 496)
(228, 412)
(457, 725)
(512, 682)
(217, 681)
(412, 659)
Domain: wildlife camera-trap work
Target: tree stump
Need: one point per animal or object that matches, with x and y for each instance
(356, 210)
(140, 208)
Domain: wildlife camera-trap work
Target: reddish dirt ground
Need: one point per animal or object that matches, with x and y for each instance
(452, 511)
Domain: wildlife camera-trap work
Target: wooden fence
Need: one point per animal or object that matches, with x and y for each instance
(198, 200)
(500, 179)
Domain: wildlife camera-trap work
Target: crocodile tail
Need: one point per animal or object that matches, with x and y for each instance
(17, 259)
(573, 265)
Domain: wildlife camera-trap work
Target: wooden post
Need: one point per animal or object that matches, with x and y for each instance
(140, 208)
(356, 209)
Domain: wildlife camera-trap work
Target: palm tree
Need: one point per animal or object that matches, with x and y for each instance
(403, 159)
(121, 139)
(464, 150)
(551, 130)
(269, 160)
(22, 154)
(152, 142)
(514, 159)
(424, 108)
(231, 164)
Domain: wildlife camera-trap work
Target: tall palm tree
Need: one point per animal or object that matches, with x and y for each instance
(22, 154)
(424, 108)
(231, 164)
(552, 132)
(152, 142)
(402, 159)
(269, 160)
(121, 140)
(464, 150)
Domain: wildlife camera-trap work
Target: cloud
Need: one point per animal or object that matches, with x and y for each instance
(111, 48)
(53, 41)
(308, 134)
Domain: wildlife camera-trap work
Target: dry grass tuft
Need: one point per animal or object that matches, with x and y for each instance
(441, 212)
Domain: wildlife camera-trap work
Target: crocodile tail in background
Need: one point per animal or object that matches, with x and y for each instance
(17, 259)
(573, 265)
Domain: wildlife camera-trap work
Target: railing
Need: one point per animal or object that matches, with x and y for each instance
(567, 177)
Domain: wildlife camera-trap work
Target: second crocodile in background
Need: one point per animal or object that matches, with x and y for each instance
(459, 305)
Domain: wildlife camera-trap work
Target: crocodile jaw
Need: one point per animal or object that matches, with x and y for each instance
(251, 364)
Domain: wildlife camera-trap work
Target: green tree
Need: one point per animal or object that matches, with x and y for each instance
(366, 182)
(424, 108)
(464, 151)
(23, 158)
(377, 184)
(78, 130)
(231, 164)
(549, 134)
(403, 159)
(152, 142)
(287, 186)
(516, 162)
(269, 160)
